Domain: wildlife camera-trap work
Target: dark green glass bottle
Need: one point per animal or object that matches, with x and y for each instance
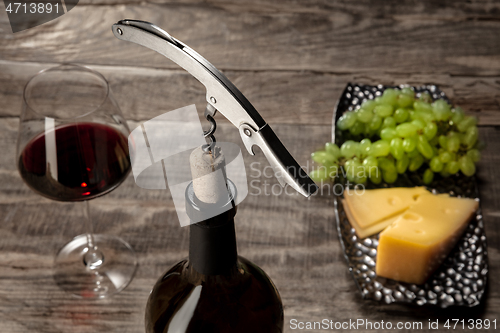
(215, 290)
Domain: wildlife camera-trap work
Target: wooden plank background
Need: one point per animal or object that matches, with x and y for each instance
(292, 60)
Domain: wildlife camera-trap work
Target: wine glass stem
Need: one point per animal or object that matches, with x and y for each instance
(93, 258)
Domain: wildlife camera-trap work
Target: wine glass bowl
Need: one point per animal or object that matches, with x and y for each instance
(75, 161)
(72, 146)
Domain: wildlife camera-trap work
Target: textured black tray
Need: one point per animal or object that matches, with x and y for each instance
(461, 279)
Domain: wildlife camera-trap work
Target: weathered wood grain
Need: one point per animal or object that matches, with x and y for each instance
(292, 59)
(253, 38)
(441, 9)
(293, 239)
(281, 97)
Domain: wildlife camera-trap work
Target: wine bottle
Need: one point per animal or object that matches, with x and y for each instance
(215, 290)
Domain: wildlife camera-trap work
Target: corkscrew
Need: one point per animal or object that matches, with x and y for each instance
(209, 134)
(224, 97)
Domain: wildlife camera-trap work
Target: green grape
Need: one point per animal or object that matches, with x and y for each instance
(376, 122)
(370, 163)
(421, 106)
(434, 141)
(333, 171)
(389, 122)
(349, 170)
(410, 143)
(364, 115)
(452, 134)
(406, 130)
(452, 167)
(428, 176)
(419, 124)
(349, 148)
(390, 96)
(405, 100)
(375, 176)
(380, 148)
(422, 116)
(425, 97)
(408, 91)
(424, 147)
(384, 163)
(364, 147)
(436, 164)
(413, 153)
(378, 100)
(319, 175)
(411, 112)
(332, 149)
(346, 121)
(428, 117)
(397, 150)
(467, 166)
(470, 136)
(384, 110)
(430, 130)
(441, 109)
(323, 157)
(360, 174)
(467, 122)
(444, 173)
(369, 132)
(457, 114)
(453, 142)
(357, 128)
(443, 141)
(354, 168)
(368, 105)
(389, 176)
(402, 164)
(400, 115)
(474, 155)
(461, 137)
(416, 162)
(444, 156)
(389, 172)
(435, 149)
(388, 133)
(361, 179)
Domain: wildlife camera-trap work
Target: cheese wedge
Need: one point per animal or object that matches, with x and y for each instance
(371, 211)
(419, 240)
(370, 230)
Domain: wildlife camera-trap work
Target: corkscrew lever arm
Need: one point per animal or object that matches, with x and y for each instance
(222, 95)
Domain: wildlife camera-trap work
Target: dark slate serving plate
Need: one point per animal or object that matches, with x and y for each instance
(461, 279)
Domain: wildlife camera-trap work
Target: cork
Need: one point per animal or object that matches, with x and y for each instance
(209, 175)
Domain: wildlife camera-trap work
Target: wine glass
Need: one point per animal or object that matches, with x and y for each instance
(72, 146)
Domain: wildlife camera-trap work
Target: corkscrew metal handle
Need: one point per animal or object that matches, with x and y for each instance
(224, 97)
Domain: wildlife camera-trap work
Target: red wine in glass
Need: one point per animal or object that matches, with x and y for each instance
(88, 160)
(73, 146)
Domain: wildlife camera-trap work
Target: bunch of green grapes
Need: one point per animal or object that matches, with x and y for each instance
(407, 134)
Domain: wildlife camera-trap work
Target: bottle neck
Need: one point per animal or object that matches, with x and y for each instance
(212, 245)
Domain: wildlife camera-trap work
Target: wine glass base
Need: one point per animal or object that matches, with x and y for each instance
(118, 267)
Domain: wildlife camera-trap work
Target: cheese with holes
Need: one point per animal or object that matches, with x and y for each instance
(369, 230)
(418, 241)
(371, 211)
